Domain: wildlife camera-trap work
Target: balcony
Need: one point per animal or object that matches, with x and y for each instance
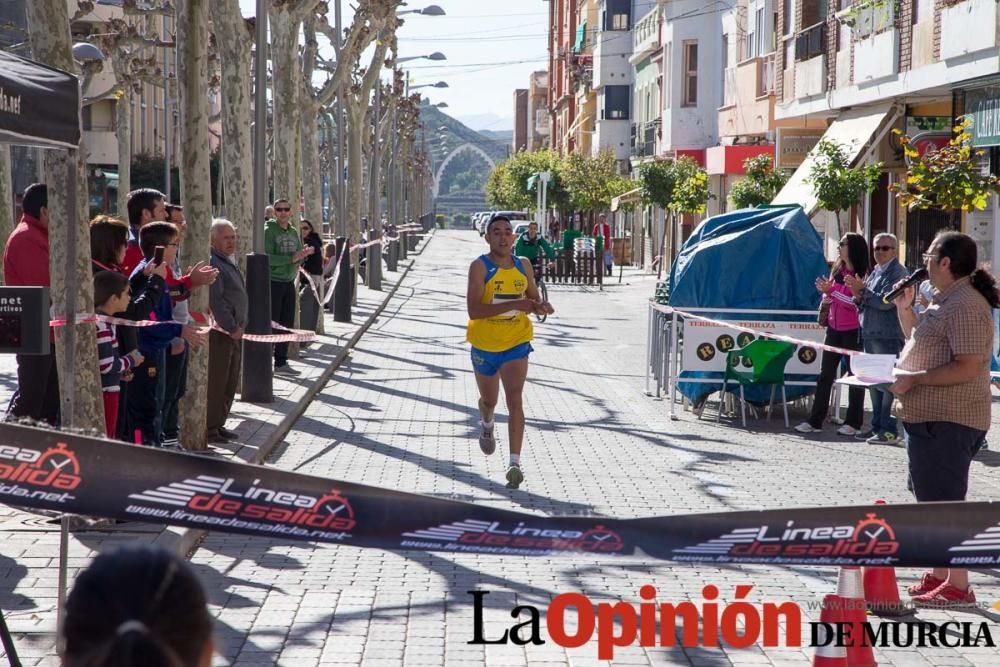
(749, 99)
(643, 138)
(968, 27)
(810, 61)
(611, 64)
(646, 36)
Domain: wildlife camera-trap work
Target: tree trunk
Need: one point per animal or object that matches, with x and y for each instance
(237, 151)
(51, 42)
(286, 77)
(312, 180)
(123, 134)
(196, 185)
(355, 116)
(6, 200)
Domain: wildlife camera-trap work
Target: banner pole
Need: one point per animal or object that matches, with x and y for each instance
(671, 364)
(649, 345)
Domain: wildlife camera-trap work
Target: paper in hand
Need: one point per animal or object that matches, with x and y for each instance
(871, 370)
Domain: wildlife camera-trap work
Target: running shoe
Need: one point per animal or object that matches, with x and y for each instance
(514, 477)
(883, 438)
(946, 596)
(865, 435)
(928, 584)
(487, 441)
(285, 369)
(806, 427)
(846, 430)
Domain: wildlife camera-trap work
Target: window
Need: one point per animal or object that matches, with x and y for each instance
(616, 103)
(789, 12)
(87, 117)
(617, 15)
(813, 12)
(689, 93)
(924, 9)
(755, 30)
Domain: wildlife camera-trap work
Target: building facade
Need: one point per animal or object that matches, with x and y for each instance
(538, 110)
(865, 69)
(520, 136)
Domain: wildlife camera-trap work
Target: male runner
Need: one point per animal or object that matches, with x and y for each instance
(501, 292)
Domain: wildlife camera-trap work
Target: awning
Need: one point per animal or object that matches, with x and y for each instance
(39, 105)
(730, 159)
(581, 38)
(857, 130)
(630, 197)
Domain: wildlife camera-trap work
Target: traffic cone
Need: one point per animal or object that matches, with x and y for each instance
(851, 592)
(882, 589)
(831, 655)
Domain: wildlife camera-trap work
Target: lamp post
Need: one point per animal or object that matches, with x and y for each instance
(429, 10)
(439, 84)
(257, 356)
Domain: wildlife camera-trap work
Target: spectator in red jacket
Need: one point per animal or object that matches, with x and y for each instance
(26, 264)
(144, 205)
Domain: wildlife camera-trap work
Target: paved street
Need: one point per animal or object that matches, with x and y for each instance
(400, 414)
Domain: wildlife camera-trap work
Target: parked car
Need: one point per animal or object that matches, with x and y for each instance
(520, 228)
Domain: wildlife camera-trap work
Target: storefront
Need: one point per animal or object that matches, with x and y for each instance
(981, 103)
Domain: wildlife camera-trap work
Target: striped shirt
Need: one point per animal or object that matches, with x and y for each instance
(109, 362)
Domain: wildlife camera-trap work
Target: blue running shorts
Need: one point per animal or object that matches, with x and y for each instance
(488, 363)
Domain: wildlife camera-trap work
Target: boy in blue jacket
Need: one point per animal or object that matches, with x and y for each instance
(146, 393)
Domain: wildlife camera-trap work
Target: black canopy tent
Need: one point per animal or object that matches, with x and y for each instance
(40, 106)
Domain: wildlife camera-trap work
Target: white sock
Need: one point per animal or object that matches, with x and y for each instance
(486, 424)
(515, 460)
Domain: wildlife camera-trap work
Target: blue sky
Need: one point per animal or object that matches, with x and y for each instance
(491, 47)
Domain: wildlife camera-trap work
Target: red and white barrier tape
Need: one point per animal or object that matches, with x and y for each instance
(86, 318)
(667, 310)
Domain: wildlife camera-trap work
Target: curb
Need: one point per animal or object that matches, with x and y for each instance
(184, 541)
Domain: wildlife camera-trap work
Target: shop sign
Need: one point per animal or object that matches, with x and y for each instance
(982, 105)
(794, 144)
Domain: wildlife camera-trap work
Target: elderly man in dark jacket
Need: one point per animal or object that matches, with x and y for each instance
(880, 330)
(228, 300)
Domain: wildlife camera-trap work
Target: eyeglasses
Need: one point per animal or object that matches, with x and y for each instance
(884, 248)
(283, 210)
(173, 244)
(928, 256)
(843, 244)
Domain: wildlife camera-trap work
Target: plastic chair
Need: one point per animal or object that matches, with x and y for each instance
(764, 360)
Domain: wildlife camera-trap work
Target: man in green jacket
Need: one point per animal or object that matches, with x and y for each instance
(283, 246)
(529, 243)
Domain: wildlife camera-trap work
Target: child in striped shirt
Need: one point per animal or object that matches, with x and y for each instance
(111, 296)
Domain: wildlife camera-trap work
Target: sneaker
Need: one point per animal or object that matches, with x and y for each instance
(806, 427)
(227, 434)
(285, 369)
(216, 438)
(846, 430)
(866, 435)
(889, 438)
(946, 596)
(514, 477)
(487, 441)
(928, 584)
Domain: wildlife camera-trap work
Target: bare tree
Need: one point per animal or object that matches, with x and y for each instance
(233, 40)
(196, 184)
(51, 43)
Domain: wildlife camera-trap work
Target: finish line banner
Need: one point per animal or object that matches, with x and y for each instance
(75, 474)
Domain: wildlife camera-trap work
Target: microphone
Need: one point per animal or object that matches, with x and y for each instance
(917, 276)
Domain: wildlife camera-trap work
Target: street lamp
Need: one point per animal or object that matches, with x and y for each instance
(429, 10)
(437, 55)
(439, 84)
(85, 51)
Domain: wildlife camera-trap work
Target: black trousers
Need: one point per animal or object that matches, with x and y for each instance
(37, 395)
(850, 340)
(283, 312)
(176, 369)
(224, 360)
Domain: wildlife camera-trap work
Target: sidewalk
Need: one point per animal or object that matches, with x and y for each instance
(29, 559)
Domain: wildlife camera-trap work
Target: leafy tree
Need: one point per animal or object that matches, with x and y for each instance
(590, 180)
(679, 186)
(507, 186)
(947, 178)
(837, 186)
(760, 184)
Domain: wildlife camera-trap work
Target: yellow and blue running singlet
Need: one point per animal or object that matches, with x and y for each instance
(507, 330)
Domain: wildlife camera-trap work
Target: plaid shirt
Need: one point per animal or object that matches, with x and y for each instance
(958, 321)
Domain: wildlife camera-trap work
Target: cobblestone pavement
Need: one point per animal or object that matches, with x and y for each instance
(401, 414)
(30, 548)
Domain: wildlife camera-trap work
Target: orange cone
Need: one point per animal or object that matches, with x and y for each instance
(851, 592)
(831, 655)
(882, 589)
